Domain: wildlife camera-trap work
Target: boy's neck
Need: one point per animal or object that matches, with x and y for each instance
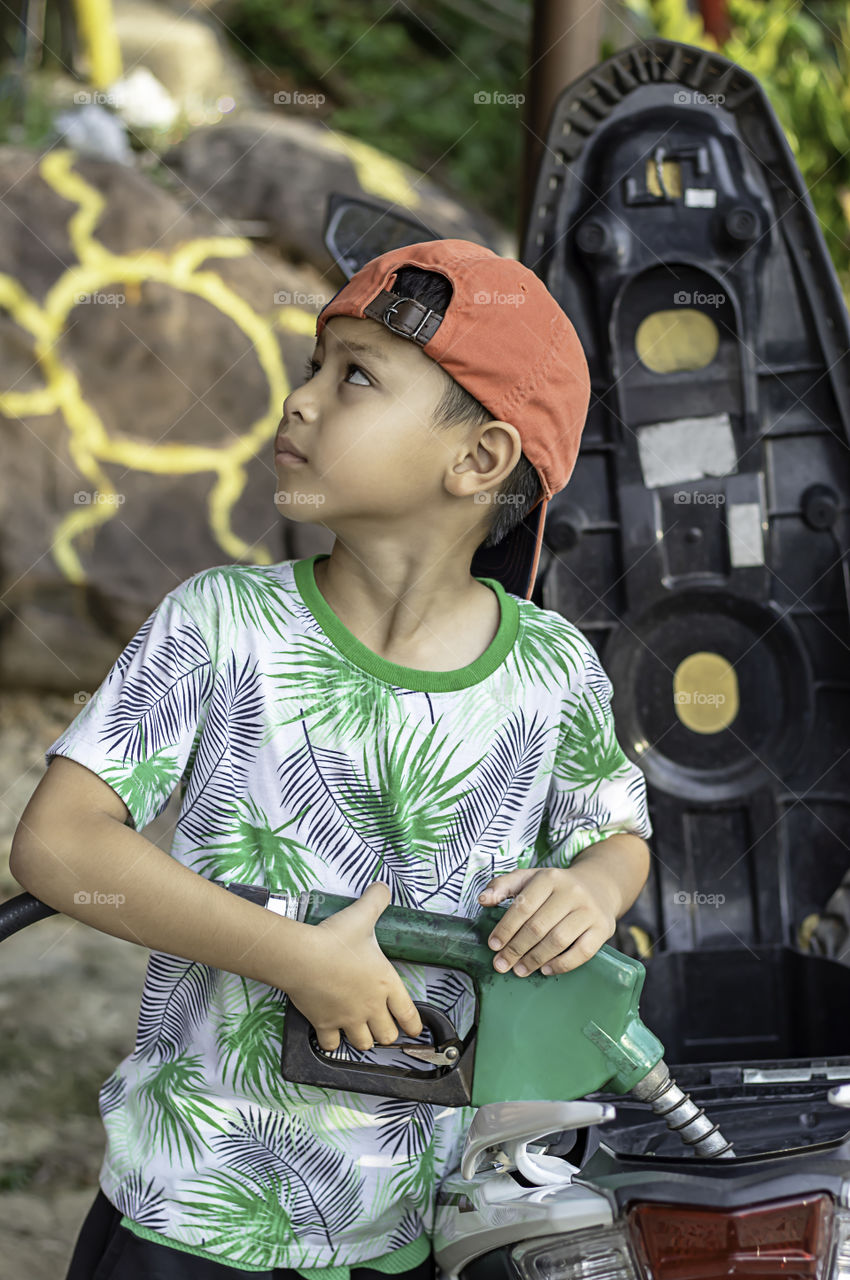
(444, 639)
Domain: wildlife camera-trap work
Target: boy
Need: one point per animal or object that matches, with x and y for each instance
(394, 722)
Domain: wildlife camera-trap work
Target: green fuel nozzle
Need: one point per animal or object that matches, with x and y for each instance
(553, 1037)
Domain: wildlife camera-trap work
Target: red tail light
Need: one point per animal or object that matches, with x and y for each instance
(785, 1240)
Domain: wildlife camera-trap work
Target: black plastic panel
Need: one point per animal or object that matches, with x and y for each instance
(667, 186)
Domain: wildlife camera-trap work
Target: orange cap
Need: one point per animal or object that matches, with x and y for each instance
(506, 340)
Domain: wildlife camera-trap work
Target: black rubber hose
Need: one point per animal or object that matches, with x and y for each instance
(18, 912)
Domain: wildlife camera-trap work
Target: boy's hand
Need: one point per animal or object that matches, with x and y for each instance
(559, 920)
(349, 984)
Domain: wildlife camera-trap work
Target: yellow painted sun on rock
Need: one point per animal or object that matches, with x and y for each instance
(90, 442)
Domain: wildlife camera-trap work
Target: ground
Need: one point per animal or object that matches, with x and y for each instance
(69, 1001)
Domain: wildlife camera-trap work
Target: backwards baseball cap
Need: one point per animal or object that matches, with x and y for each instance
(506, 340)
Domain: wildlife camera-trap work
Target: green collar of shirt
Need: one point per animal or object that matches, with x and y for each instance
(391, 672)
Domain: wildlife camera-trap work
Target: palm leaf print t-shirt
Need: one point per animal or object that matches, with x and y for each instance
(306, 761)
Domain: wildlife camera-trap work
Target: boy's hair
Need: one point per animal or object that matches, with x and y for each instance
(521, 489)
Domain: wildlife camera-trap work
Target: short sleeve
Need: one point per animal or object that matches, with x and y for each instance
(595, 791)
(137, 729)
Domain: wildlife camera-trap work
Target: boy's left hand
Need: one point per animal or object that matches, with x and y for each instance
(559, 920)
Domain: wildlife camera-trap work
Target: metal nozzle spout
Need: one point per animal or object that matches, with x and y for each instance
(680, 1113)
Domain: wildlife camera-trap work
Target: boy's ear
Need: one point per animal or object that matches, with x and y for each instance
(494, 451)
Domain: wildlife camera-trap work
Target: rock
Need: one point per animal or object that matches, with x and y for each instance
(278, 167)
(140, 449)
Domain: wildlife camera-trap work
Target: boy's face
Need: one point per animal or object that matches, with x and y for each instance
(364, 423)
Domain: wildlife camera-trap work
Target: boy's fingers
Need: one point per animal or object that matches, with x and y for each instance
(507, 885)
(384, 1031)
(566, 935)
(406, 1015)
(360, 1037)
(584, 947)
(547, 951)
(527, 904)
(545, 933)
(325, 1039)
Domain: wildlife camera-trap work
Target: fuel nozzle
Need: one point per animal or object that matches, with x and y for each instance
(537, 1038)
(680, 1113)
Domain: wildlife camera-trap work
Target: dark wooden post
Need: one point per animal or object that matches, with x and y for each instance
(565, 41)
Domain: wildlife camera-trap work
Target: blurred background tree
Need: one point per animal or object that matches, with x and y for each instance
(404, 78)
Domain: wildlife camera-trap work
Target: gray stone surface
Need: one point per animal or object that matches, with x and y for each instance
(69, 1003)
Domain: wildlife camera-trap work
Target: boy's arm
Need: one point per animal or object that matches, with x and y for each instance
(591, 855)
(72, 840)
(616, 867)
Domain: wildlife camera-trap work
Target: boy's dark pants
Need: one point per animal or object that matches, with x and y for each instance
(107, 1251)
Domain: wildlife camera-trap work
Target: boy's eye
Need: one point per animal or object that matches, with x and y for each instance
(311, 367)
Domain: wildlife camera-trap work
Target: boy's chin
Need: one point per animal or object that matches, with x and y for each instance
(295, 506)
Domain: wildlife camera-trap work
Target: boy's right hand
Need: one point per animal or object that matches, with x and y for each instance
(350, 985)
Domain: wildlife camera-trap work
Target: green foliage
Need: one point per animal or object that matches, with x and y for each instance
(25, 110)
(404, 79)
(801, 57)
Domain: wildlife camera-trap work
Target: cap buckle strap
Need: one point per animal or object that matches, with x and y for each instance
(399, 328)
(388, 304)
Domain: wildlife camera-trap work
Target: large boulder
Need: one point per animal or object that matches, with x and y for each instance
(147, 351)
(146, 356)
(277, 167)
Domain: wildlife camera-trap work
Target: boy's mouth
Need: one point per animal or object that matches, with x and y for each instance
(285, 451)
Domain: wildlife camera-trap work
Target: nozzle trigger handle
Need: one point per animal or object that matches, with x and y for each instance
(304, 1061)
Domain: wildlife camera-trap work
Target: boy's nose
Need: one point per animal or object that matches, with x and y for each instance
(300, 403)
